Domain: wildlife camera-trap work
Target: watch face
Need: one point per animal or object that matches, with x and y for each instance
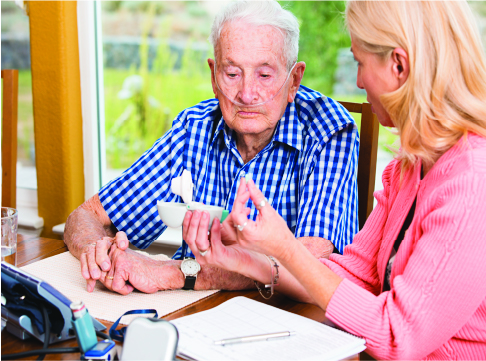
(190, 267)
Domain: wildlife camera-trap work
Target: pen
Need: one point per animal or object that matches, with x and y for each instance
(262, 337)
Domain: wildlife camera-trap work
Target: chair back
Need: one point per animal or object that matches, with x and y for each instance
(368, 147)
(10, 91)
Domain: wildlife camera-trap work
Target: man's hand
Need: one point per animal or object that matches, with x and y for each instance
(319, 247)
(133, 270)
(95, 259)
(89, 234)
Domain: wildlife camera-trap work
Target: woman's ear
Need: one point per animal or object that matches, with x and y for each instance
(401, 65)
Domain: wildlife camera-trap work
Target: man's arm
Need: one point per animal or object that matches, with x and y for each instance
(87, 224)
(89, 235)
(319, 247)
(328, 205)
(216, 278)
(131, 270)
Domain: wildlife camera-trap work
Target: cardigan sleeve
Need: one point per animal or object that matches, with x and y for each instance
(359, 261)
(442, 284)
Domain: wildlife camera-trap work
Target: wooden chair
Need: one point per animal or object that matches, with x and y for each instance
(368, 148)
(10, 91)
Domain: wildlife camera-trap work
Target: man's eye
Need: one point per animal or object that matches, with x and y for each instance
(231, 75)
(265, 75)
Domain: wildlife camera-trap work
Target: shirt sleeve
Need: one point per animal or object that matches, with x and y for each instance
(441, 288)
(328, 197)
(131, 200)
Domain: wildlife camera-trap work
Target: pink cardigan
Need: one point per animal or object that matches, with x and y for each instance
(436, 308)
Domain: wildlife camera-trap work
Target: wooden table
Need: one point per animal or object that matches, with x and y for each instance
(33, 249)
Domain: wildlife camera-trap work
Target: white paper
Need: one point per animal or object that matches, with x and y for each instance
(63, 272)
(242, 316)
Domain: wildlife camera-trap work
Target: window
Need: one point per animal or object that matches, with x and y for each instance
(16, 55)
(154, 66)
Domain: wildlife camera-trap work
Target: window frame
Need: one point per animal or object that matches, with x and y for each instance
(92, 102)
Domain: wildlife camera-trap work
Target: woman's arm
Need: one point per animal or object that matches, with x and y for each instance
(232, 257)
(359, 260)
(438, 289)
(270, 235)
(438, 293)
(253, 263)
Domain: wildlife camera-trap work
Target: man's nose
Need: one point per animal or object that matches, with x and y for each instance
(248, 92)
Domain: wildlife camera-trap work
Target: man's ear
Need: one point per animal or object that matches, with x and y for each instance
(400, 65)
(211, 64)
(295, 80)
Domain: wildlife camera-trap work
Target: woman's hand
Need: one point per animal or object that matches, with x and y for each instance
(226, 254)
(269, 234)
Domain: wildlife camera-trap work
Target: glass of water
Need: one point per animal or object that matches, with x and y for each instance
(9, 235)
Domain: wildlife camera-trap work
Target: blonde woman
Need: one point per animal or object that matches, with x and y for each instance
(413, 282)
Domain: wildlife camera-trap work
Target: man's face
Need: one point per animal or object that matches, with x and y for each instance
(250, 68)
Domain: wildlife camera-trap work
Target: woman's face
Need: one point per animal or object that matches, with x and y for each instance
(377, 77)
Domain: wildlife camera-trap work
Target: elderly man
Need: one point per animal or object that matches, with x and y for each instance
(299, 147)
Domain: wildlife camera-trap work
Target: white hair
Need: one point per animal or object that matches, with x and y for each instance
(261, 13)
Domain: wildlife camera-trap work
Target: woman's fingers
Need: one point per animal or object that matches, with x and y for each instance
(192, 227)
(185, 224)
(202, 241)
(240, 211)
(216, 234)
(257, 198)
(216, 251)
(242, 197)
(195, 231)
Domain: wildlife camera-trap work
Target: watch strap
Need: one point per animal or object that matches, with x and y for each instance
(189, 283)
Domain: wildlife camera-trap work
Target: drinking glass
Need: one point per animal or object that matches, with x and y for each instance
(9, 235)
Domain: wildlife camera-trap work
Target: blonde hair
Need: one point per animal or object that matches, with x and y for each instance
(444, 96)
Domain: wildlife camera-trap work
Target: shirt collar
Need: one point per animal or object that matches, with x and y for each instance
(288, 130)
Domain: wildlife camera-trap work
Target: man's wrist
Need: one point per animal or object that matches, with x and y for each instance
(170, 276)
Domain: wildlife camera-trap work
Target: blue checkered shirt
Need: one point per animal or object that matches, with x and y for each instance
(308, 171)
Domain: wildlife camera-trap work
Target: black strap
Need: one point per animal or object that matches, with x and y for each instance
(189, 283)
(398, 242)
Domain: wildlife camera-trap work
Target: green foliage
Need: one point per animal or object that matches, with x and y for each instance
(386, 138)
(111, 5)
(140, 104)
(174, 91)
(322, 34)
(134, 120)
(25, 139)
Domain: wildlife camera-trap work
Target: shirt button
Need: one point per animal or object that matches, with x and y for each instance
(242, 173)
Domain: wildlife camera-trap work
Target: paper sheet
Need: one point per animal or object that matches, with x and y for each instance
(63, 272)
(241, 316)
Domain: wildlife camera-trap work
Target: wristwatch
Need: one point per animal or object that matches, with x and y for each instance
(190, 267)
